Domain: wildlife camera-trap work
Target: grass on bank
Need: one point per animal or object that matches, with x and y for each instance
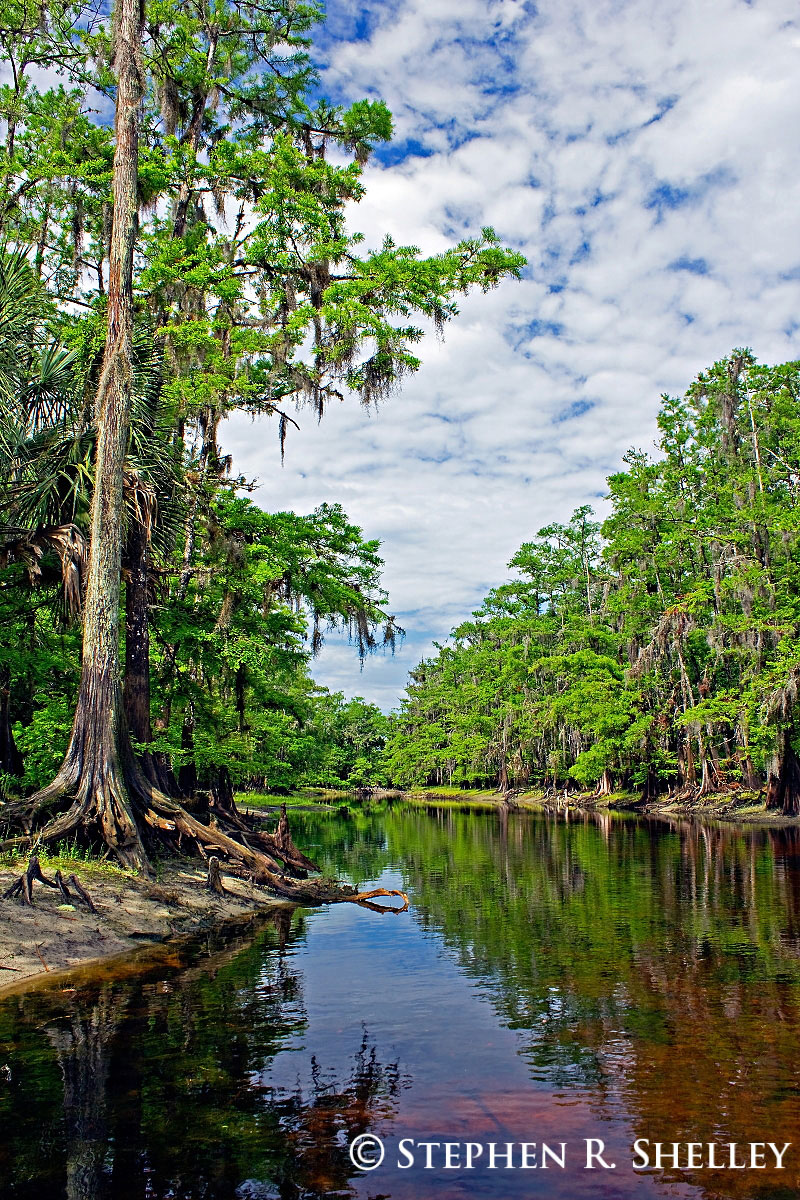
(67, 857)
(302, 799)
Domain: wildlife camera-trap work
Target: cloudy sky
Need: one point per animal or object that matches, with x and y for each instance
(646, 158)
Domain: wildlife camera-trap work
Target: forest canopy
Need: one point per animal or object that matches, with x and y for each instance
(175, 247)
(656, 651)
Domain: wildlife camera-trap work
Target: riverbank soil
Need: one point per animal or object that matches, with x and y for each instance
(744, 807)
(51, 936)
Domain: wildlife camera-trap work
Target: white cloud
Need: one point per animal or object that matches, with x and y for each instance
(646, 160)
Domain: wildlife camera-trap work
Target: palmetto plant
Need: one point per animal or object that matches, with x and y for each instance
(48, 434)
(44, 451)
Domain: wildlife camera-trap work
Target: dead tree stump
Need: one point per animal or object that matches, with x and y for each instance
(214, 882)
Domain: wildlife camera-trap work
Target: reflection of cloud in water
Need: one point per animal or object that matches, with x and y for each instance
(553, 981)
(147, 1088)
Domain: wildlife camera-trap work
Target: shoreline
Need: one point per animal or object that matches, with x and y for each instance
(749, 810)
(46, 942)
(744, 808)
(137, 918)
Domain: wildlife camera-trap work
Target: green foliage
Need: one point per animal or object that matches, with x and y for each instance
(43, 740)
(264, 590)
(665, 654)
(350, 736)
(251, 292)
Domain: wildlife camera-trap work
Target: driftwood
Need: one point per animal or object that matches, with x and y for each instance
(319, 891)
(23, 887)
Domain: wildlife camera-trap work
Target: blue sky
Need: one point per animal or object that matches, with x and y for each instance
(646, 159)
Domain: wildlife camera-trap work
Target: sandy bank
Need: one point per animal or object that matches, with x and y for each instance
(131, 912)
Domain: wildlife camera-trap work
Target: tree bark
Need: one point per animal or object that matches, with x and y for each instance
(10, 757)
(109, 795)
(606, 785)
(783, 785)
(136, 688)
(99, 753)
(136, 685)
(187, 774)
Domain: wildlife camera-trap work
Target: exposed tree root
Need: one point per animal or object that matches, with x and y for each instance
(171, 819)
(104, 794)
(273, 846)
(214, 883)
(115, 806)
(98, 788)
(79, 888)
(23, 886)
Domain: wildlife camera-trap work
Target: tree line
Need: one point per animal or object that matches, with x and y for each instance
(656, 651)
(174, 248)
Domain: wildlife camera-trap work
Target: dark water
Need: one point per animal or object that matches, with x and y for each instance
(605, 978)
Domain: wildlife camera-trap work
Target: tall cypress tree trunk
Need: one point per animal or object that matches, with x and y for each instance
(99, 754)
(136, 687)
(706, 783)
(783, 785)
(136, 682)
(606, 784)
(100, 775)
(10, 757)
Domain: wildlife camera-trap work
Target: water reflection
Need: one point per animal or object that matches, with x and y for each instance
(556, 979)
(652, 966)
(82, 1041)
(152, 1087)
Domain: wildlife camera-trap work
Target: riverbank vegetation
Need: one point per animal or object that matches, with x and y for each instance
(173, 249)
(656, 651)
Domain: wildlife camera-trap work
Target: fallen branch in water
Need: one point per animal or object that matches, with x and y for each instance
(382, 908)
(365, 897)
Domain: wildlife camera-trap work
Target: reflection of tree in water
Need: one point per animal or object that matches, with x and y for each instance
(654, 966)
(159, 1094)
(81, 1041)
(320, 1127)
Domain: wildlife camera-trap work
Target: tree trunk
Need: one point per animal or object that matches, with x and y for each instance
(10, 757)
(110, 795)
(783, 786)
(650, 788)
(606, 784)
(136, 688)
(136, 685)
(187, 775)
(99, 754)
(503, 784)
(706, 781)
(749, 772)
(691, 772)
